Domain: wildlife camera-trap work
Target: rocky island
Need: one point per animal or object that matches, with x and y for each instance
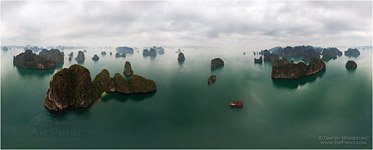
(211, 80)
(80, 58)
(71, 56)
(5, 48)
(259, 60)
(95, 58)
(268, 56)
(159, 50)
(73, 88)
(33, 48)
(30, 60)
(352, 52)
(300, 52)
(216, 63)
(103, 53)
(117, 55)
(53, 54)
(128, 69)
(181, 57)
(304, 52)
(283, 69)
(125, 50)
(134, 85)
(145, 53)
(330, 53)
(351, 65)
(152, 52)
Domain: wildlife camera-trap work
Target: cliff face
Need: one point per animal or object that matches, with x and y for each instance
(216, 63)
(53, 54)
(71, 88)
(30, 60)
(283, 69)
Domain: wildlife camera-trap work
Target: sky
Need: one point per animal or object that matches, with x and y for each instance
(256, 24)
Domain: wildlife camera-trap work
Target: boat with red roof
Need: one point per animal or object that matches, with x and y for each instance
(236, 104)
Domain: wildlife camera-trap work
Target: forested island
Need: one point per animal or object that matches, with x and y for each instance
(312, 60)
(73, 87)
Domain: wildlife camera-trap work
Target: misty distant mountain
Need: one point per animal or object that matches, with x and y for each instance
(159, 50)
(33, 48)
(4, 48)
(125, 50)
(296, 50)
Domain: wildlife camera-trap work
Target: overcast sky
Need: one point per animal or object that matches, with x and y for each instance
(176, 23)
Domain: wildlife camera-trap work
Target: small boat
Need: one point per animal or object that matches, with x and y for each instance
(236, 104)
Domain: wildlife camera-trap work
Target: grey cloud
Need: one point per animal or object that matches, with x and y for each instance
(184, 22)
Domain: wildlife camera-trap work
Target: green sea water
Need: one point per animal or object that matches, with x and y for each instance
(185, 112)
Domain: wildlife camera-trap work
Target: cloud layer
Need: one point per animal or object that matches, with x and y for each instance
(186, 23)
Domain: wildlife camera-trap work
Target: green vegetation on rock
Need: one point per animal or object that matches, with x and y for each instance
(283, 69)
(73, 88)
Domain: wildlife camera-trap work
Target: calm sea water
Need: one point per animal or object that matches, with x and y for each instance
(185, 112)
